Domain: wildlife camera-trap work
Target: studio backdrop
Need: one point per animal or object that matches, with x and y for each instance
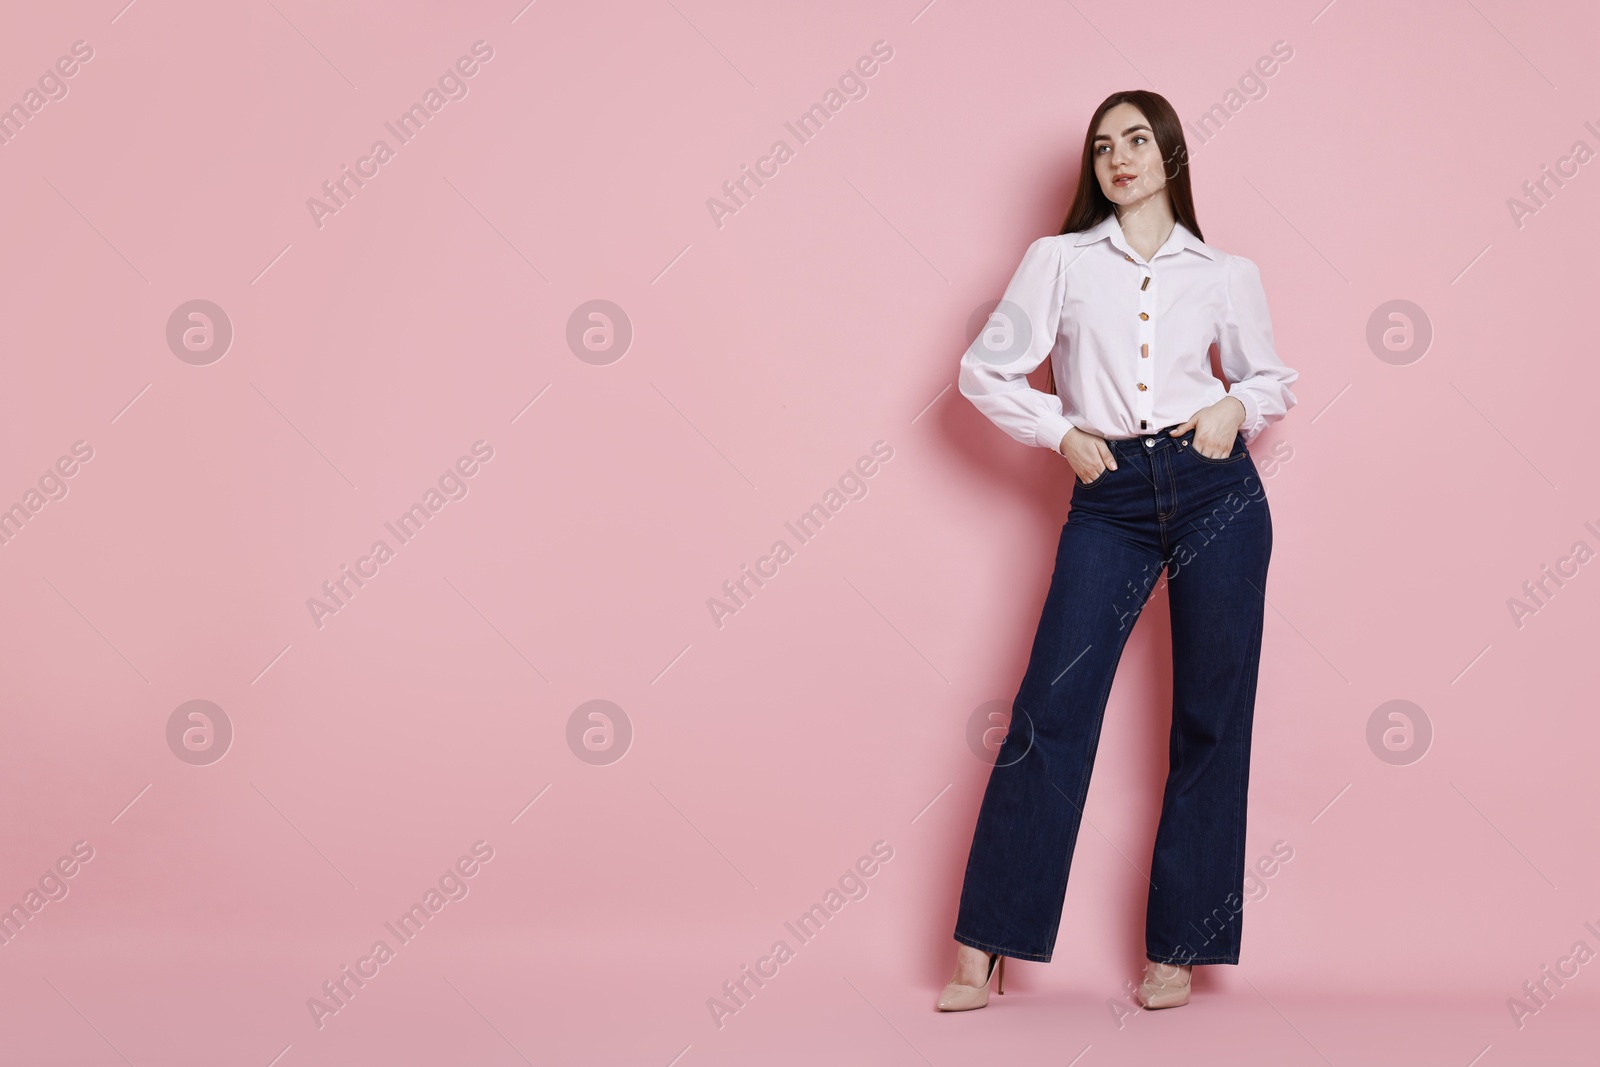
(498, 568)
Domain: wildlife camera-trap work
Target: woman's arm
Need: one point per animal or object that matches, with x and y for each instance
(1260, 379)
(1018, 337)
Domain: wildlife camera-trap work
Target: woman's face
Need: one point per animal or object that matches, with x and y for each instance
(1125, 148)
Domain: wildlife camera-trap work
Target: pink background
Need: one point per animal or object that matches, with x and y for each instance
(768, 356)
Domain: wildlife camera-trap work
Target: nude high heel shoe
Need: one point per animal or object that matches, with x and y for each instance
(958, 997)
(1165, 985)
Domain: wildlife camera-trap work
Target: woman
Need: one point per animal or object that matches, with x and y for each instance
(1126, 302)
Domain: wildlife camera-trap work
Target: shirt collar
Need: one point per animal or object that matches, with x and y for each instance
(1181, 237)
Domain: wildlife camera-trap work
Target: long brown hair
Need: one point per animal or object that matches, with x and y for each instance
(1089, 203)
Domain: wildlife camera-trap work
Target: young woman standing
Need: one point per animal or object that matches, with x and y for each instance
(1126, 303)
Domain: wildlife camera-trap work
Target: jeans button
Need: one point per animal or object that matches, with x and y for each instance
(1149, 442)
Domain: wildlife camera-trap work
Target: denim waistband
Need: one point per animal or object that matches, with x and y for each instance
(1148, 442)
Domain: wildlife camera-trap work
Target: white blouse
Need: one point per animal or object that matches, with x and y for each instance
(1130, 339)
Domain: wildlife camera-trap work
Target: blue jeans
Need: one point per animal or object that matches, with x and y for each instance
(1206, 522)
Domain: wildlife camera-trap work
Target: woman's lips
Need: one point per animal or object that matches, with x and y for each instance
(1125, 180)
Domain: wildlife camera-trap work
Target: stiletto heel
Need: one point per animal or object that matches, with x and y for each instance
(959, 997)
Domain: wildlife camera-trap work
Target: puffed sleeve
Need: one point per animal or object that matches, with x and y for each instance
(1260, 379)
(1019, 336)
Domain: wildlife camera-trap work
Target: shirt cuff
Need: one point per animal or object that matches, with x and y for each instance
(1051, 429)
(1253, 423)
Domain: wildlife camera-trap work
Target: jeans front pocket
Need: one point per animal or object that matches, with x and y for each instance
(1099, 478)
(1239, 451)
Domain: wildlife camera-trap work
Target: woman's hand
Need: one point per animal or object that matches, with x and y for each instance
(1088, 454)
(1214, 427)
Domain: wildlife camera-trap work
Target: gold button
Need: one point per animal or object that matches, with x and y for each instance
(1144, 351)
(1143, 386)
(1127, 257)
(1146, 283)
(1142, 315)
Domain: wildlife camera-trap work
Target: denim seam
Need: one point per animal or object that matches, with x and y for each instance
(1235, 939)
(1188, 960)
(1161, 519)
(1146, 477)
(975, 943)
(1240, 810)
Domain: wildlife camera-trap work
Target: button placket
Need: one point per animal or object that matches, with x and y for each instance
(1144, 402)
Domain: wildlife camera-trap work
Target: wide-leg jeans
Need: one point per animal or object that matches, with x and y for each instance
(1205, 522)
